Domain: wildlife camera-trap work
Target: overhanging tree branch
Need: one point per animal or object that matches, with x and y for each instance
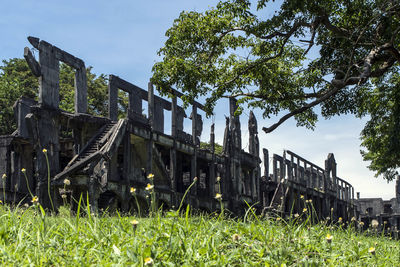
(358, 40)
(339, 84)
(283, 98)
(301, 109)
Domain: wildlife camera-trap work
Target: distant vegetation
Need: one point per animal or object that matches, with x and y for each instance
(206, 145)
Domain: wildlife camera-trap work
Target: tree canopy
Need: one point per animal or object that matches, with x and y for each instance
(16, 80)
(332, 57)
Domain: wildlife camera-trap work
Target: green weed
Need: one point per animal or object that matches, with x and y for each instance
(29, 236)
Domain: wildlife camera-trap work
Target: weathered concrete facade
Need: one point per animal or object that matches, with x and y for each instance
(386, 212)
(104, 157)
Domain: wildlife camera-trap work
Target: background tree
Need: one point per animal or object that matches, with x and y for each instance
(97, 87)
(17, 80)
(342, 56)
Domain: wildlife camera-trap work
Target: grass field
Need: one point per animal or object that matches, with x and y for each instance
(30, 237)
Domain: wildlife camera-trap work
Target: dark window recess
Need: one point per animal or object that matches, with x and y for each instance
(369, 210)
(387, 208)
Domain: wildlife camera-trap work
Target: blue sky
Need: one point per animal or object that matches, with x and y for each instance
(122, 38)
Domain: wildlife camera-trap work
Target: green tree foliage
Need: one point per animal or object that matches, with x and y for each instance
(218, 149)
(97, 87)
(97, 91)
(340, 56)
(381, 134)
(17, 80)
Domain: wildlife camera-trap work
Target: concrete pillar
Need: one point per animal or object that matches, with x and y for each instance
(49, 87)
(194, 170)
(212, 164)
(80, 90)
(172, 165)
(112, 99)
(150, 101)
(158, 116)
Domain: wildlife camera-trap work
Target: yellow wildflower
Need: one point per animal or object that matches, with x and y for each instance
(133, 190)
(329, 238)
(218, 196)
(150, 176)
(44, 150)
(218, 179)
(35, 199)
(23, 170)
(134, 223)
(148, 261)
(340, 219)
(67, 182)
(305, 210)
(301, 196)
(149, 187)
(371, 250)
(4, 176)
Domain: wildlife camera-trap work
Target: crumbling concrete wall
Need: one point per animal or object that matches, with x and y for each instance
(105, 157)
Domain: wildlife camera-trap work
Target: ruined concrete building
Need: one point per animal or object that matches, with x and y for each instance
(104, 156)
(386, 212)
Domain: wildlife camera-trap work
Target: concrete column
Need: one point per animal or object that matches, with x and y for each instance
(172, 165)
(80, 90)
(266, 162)
(158, 117)
(135, 104)
(150, 101)
(212, 164)
(193, 172)
(112, 99)
(49, 88)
